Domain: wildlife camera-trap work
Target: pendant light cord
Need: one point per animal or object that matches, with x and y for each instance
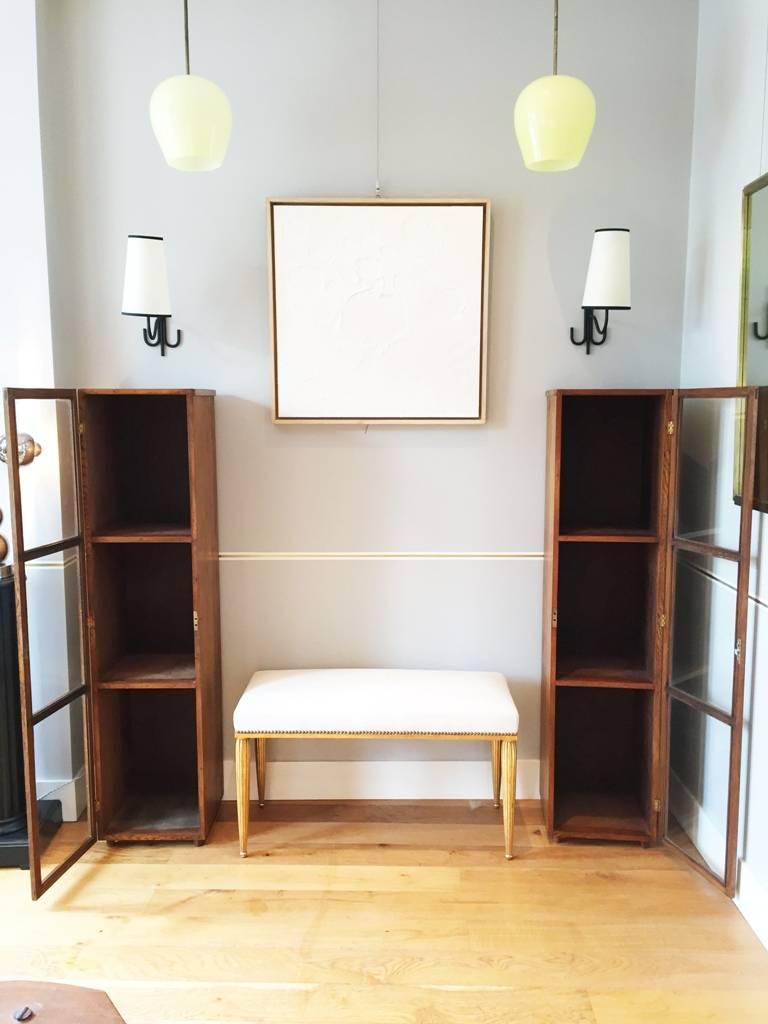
(554, 41)
(378, 98)
(186, 35)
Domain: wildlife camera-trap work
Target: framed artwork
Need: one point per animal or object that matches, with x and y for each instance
(379, 310)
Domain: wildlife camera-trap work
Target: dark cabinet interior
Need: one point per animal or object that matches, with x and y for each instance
(138, 463)
(603, 739)
(149, 781)
(605, 603)
(609, 463)
(145, 612)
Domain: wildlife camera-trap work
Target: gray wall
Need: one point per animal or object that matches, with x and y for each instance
(730, 149)
(301, 78)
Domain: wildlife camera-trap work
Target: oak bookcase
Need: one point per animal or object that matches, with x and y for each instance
(151, 554)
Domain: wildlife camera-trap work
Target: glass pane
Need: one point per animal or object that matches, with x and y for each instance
(54, 625)
(706, 510)
(699, 768)
(62, 784)
(47, 470)
(704, 628)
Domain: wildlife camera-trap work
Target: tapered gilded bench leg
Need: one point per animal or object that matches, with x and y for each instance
(509, 779)
(243, 780)
(496, 770)
(261, 769)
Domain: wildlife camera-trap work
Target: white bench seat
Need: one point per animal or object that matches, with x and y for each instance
(371, 704)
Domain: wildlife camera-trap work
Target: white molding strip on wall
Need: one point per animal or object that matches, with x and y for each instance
(383, 780)
(380, 556)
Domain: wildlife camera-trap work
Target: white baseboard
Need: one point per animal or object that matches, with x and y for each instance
(70, 792)
(705, 833)
(752, 901)
(384, 780)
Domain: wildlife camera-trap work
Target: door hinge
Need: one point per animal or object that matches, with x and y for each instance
(81, 429)
(738, 649)
(91, 623)
(670, 427)
(662, 620)
(554, 619)
(195, 620)
(657, 805)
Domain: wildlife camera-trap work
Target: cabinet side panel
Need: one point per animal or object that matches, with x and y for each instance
(659, 768)
(205, 568)
(548, 660)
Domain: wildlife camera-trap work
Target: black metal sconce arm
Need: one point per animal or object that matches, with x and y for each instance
(756, 332)
(594, 334)
(159, 334)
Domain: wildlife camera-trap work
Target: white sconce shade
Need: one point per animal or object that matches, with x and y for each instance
(145, 289)
(192, 121)
(608, 275)
(554, 118)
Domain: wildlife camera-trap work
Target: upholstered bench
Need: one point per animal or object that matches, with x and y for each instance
(376, 704)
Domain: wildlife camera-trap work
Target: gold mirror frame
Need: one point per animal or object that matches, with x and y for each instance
(760, 502)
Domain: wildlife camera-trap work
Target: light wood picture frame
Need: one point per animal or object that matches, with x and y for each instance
(379, 310)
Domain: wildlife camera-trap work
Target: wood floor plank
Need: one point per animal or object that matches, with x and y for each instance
(398, 914)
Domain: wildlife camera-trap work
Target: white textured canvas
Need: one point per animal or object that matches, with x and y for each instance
(378, 310)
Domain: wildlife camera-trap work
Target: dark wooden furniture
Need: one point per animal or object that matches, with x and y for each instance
(146, 544)
(51, 1003)
(614, 528)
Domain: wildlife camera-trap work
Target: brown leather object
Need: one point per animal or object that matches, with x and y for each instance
(56, 1004)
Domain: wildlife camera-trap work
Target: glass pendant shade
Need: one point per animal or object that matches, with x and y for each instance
(192, 121)
(554, 118)
(608, 275)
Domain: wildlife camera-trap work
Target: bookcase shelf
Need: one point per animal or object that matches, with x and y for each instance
(174, 669)
(143, 533)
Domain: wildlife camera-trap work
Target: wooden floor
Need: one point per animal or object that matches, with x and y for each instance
(384, 914)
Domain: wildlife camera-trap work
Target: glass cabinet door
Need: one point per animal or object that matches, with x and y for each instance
(709, 560)
(48, 557)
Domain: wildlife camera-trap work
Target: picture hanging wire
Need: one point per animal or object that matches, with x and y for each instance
(378, 98)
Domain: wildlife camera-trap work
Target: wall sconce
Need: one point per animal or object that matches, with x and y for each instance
(145, 290)
(608, 283)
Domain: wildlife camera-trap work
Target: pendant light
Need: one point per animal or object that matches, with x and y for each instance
(191, 118)
(554, 118)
